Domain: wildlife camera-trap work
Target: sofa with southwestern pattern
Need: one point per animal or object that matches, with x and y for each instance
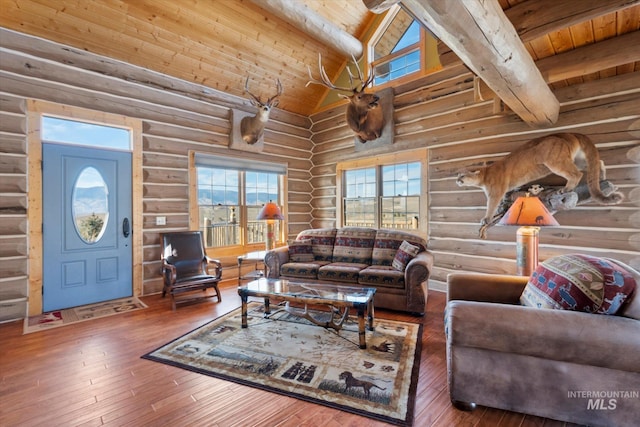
(396, 263)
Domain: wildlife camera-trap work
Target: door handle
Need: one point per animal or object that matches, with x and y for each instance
(126, 228)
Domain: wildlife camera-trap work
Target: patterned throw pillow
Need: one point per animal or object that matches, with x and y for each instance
(301, 251)
(580, 283)
(406, 252)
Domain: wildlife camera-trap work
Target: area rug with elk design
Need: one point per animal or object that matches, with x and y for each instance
(289, 355)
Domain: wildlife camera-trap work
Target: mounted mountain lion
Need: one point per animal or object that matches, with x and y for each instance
(564, 154)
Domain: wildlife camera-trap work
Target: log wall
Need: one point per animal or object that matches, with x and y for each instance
(176, 116)
(444, 113)
(447, 114)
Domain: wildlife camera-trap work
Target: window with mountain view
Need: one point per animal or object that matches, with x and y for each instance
(229, 199)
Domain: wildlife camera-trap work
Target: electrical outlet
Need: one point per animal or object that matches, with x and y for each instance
(161, 220)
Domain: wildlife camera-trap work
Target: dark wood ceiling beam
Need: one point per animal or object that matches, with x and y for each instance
(484, 39)
(535, 18)
(316, 26)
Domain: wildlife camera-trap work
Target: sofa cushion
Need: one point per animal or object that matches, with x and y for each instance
(322, 240)
(382, 276)
(354, 245)
(301, 251)
(405, 253)
(344, 272)
(387, 243)
(303, 270)
(579, 282)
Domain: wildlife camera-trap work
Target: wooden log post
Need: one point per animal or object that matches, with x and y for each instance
(306, 20)
(484, 39)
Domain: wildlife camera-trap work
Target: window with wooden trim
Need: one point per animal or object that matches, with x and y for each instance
(230, 194)
(401, 47)
(386, 194)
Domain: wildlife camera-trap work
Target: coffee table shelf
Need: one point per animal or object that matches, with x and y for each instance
(256, 258)
(336, 297)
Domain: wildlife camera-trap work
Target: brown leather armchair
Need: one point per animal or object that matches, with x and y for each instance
(186, 267)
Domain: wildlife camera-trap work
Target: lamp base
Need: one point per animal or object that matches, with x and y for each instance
(527, 250)
(270, 242)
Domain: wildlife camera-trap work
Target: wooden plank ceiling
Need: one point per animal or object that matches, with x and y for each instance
(219, 43)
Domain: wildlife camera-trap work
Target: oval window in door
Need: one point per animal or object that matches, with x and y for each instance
(90, 205)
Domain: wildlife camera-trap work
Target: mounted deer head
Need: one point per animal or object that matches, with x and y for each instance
(364, 113)
(252, 127)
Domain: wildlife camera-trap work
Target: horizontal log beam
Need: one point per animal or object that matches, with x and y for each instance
(591, 58)
(533, 19)
(586, 59)
(309, 22)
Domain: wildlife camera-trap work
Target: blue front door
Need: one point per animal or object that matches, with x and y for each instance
(86, 211)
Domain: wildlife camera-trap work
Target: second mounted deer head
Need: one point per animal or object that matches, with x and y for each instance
(364, 114)
(252, 127)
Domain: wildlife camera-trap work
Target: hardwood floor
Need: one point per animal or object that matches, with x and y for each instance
(91, 374)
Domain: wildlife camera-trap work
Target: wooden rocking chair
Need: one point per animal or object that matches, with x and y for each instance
(185, 265)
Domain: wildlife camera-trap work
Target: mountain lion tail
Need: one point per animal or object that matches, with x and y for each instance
(593, 173)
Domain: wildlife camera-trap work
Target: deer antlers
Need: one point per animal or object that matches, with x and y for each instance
(364, 113)
(325, 81)
(271, 102)
(252, 127)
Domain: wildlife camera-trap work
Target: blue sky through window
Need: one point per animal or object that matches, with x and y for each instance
(409, 62)
(83, 133)
(411, 36)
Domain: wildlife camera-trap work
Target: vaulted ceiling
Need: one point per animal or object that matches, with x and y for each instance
(219, 43)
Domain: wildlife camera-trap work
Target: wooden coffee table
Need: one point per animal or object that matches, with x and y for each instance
(338, 298)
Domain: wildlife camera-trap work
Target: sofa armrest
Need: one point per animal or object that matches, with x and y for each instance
(274, 259)
(499, 288)
(419, 268)
(563, 335)
(416, 277)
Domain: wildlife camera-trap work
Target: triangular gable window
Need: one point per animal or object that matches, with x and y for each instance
(398, 49)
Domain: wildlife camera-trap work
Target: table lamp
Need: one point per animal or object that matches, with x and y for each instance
(270, 212)
(530, 214)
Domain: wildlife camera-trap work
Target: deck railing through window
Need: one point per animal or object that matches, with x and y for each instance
(413, 225)
(219, 235)
(226, 234)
